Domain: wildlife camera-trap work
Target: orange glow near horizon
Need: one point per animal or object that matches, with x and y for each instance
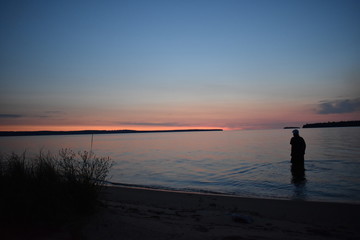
(226, 118)
(107, 128)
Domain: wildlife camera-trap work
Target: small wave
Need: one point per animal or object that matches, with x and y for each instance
(156, 187)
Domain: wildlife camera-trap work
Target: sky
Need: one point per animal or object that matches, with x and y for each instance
(178, 64)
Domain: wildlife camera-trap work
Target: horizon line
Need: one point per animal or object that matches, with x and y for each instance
(88, 132)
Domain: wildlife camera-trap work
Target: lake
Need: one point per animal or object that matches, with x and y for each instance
(250, 163)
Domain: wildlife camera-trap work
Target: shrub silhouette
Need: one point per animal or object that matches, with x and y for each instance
(50, 187)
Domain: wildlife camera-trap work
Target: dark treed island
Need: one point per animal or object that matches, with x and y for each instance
(42, 133)
(333, 124)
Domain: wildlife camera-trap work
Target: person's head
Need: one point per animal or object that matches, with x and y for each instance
(295, 132)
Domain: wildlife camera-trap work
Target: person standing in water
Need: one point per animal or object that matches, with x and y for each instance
(298, 147)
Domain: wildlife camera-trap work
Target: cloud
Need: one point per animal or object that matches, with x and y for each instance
(10, 115)
(339, 106)
(45, 114)
(169, 124)
(53, 112)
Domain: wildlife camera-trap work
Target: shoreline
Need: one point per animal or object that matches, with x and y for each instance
(208, 192)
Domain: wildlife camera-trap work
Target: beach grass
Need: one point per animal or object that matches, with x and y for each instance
(50, 187)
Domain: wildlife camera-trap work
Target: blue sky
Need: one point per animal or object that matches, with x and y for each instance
(140, 64)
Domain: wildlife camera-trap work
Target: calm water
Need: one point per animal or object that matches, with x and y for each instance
(246, 163)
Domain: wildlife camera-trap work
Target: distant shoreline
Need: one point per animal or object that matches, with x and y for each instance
(333, 124)
(87, 132)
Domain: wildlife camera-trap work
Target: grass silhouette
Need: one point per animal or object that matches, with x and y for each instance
(49, 187)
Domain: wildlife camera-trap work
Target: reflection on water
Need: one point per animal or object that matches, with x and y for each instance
(298, 179)
(246, 163)
(300, 191)
(298, 175)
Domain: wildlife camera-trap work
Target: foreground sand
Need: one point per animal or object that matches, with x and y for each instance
(147, 214)
(130, 213)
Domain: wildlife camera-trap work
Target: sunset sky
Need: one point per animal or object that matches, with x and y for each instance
(178, 64)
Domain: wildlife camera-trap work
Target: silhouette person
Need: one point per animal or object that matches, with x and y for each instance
(298, 147)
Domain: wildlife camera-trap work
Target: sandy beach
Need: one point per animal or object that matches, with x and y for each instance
(130, 213)
(135, 213)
